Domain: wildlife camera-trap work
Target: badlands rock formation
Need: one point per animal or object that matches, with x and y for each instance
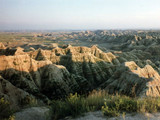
(132, 80)
(50, 74)
(12, 94)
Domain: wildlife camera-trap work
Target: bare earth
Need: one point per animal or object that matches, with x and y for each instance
(133, 116)
(33, 113)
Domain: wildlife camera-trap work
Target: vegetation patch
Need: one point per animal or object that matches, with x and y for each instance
(111, 105)
(5, 110)
(75, 105)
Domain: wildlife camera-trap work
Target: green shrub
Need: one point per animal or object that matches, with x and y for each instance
(59, 109)
(28, 101)
(73, 105)
(114, 105)
(5, 110)
(12, 117)
(95, 99)
(149, 104)
(109, 111)
(111, 105)
(76, 104)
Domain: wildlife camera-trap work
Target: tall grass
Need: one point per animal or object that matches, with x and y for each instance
(116, 105)
(111, 105)
(75, 104)
(95, 99)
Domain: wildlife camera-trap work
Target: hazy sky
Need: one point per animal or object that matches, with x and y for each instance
(79, 14)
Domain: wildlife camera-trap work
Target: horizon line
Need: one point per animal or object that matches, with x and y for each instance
(30, 30)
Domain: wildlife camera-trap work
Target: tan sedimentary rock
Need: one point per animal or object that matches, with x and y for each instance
(2, 46)
(131, 80)
(38, 76)
(89, 63)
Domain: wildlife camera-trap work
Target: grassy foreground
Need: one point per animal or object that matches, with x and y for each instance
(111, 105)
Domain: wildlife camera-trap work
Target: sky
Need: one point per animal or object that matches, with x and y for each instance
(79, 14)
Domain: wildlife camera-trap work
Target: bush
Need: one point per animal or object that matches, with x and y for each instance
(59, 110)
(95, 99)
(73, 105)
(5, 110)
(77, 104)
(111, 105)
(109, 111)
(115, 105)
(149, 104)
(28, 101)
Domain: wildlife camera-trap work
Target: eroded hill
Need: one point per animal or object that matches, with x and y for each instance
(50, 74)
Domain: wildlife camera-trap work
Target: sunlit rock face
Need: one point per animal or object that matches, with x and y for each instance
(37, 76)
(2, 46)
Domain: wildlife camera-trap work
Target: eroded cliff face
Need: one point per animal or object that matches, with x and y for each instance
(50, 74)
(90, 63)
(37, 77)
(130, 79)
